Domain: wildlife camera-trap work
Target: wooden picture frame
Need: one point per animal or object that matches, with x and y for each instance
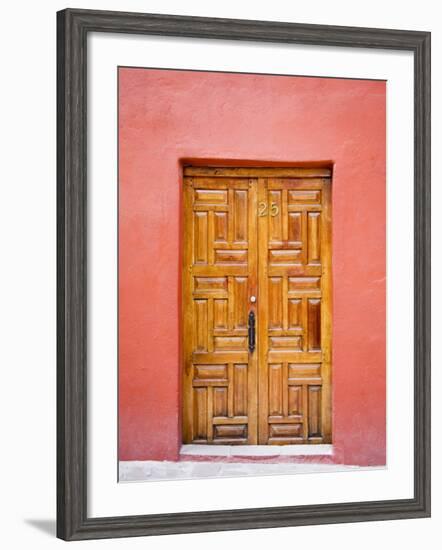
(73, 27)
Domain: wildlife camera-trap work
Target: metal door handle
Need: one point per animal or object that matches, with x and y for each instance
(251, 331)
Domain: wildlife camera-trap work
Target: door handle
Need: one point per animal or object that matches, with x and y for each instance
(251, 331)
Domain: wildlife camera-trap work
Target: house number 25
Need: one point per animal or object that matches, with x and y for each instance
(263, 209)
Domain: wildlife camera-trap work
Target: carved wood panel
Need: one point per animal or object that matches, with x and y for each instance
(264, 233)
(294, 311)
(220, 267)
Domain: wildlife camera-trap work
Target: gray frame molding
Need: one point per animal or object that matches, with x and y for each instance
(72, 28)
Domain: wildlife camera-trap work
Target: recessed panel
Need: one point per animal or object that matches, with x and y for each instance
(275, 302)
(294, 313)
(273, 211)
(240, 217)
(304, 284)
(314, 240)
(304, 196)
(285, 257)
(220, 401)
(294, 400)
(304, 370)
(240, 390)
(230, 256)
(240, 301)
(285, 342)
(200, 238)
(200, 413)
(285, 430)
(275, 389)
(294, 230)
(200, 320)
(208, 284)
(230, 343)
(314, 411)
(230, 431)
(220, 227)
(210, 196)
(220, 314)
(314, 324)
(211, 372)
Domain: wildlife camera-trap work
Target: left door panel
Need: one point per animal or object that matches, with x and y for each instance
(219, 276)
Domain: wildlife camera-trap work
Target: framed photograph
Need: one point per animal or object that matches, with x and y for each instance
(243, 274)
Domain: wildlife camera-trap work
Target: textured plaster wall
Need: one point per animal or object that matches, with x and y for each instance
(166, 116)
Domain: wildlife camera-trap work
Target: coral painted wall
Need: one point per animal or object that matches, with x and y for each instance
(168, 116)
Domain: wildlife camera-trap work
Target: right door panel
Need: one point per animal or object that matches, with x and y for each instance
(294, 310)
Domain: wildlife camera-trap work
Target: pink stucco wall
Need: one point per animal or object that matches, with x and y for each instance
(166, 117)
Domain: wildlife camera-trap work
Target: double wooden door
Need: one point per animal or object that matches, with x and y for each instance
(257, 306)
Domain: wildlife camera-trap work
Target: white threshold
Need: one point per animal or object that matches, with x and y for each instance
(256, 450)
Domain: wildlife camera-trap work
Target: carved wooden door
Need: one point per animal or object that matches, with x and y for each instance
(220, 275)
(294, 310)
(256, 244)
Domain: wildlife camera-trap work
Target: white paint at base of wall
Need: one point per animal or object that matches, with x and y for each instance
(256, 450)
(151, 470)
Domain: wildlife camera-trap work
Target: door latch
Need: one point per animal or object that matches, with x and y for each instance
(251, 331)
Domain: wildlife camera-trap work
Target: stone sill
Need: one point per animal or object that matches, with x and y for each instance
(256, 450)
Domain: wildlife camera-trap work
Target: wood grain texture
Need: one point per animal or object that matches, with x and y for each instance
(215, 310)
(295, 308)
(73, 27)
(256, 172)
